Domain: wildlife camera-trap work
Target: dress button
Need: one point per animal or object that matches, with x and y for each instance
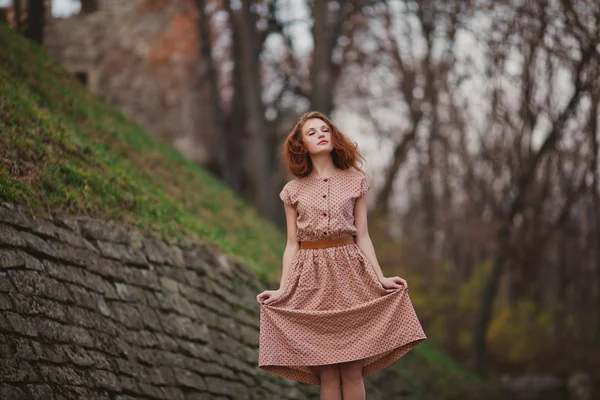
(324, 214)
(324, 233)
(324, 195)
(325, 180)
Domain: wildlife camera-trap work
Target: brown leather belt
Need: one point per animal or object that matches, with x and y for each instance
(321, 244)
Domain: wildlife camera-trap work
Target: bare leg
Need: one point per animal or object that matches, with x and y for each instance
(353, 387)
(330, 382)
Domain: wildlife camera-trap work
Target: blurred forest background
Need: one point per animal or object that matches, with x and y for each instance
(479, 120)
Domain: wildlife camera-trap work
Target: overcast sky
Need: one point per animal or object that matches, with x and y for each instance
(60, 8)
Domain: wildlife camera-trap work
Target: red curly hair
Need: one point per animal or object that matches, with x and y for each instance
(295, 155)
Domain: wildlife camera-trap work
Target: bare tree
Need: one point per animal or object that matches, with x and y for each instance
(36, 15)
(243, 119)
(18, 14)
(531, 26)
(492, 155)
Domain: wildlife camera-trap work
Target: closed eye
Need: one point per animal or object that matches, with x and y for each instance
(311, 132)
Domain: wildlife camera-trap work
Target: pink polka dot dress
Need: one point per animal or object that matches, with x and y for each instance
(333, 309)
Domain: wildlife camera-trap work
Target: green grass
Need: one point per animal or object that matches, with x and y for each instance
(64, 151)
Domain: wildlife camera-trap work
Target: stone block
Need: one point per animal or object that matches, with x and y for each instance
(50, 230)
(189, 379)
(50, 352)
(143, 277)
(5, 284)
(15, 218)
(61, 333)
(169, 285)
(173, 393)
(130, 293)
(39, 391)
(184, 327)
(159, 252)
(167, 342)
(105, 231)
(199, 351)
(77, 355)
(9, 236)
(34, 284)
(37, 245)
(17, 371)
(32, 305)
(208, 368)
(152, 391)
(250, 336)
(22, 325)
(161, 375)
(11, 259)
(89, 319)
(12, 393)
(84, 297)
(122, 253)
(19, 347)
(5, 303)
(104, 380)
(150, 318)
(141, 338)
(127, 314)
(232, 389)
(78, 275)
(128, 384)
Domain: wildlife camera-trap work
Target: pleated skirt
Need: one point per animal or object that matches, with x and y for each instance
(334, 310)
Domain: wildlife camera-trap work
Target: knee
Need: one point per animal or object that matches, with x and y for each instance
(351, 371)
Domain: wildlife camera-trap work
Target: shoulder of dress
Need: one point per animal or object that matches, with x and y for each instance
(357, 172)
(289, 184)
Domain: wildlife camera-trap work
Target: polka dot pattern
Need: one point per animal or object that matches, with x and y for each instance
(333, 309)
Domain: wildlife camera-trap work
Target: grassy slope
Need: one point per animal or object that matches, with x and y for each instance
(64, 151)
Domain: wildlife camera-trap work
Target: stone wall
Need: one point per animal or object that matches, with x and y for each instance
(94, 310)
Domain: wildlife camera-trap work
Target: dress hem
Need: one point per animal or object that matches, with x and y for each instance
(398, 351)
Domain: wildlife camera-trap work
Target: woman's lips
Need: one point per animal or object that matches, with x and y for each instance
(322, 142)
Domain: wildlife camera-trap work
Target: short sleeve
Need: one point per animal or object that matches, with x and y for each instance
(364, 185)
(284, 195)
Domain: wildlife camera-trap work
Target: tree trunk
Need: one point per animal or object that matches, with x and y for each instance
(235, 130)
(488, 296)
(89, 6)
(393, 169)
(36, 13)
(17, 11)
(260, 154)
(321, 76)
(594, 131)
(216, 143)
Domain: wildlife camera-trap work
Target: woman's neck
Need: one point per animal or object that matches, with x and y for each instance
(323, 166)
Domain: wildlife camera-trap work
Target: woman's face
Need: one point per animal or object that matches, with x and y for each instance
(317, 136)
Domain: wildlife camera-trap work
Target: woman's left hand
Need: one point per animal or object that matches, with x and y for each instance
(395, 282)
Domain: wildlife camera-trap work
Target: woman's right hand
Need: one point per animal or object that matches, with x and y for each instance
(269, 296)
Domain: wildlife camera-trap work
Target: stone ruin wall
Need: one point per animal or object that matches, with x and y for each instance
(141, 56)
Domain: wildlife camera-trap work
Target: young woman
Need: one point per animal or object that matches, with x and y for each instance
(335, 318)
